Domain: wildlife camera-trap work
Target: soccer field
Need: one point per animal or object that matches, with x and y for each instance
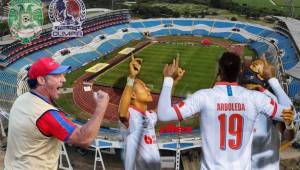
(198, 61)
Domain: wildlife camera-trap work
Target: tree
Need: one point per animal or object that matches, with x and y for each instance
(4, 29)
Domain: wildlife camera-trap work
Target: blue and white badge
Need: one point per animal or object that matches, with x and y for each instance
(67, 17)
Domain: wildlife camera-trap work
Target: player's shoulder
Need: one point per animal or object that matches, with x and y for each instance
(252, 93)
(204, 92)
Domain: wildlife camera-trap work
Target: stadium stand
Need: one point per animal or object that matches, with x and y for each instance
(153, 23)
(294, 87)
(183, 22)
(14, 51)
(86, 57)
(111, 26)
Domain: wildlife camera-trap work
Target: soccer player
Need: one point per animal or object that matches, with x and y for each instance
(228, 112)
(141, 149)
(266, 139)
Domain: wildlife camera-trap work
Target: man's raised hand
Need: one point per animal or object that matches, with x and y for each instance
(101, 98)
(288, 115)
(134, 67)
(170, 69)
(178, 74)
(269, 70)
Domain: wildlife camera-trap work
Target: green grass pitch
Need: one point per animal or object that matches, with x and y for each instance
(199, 62)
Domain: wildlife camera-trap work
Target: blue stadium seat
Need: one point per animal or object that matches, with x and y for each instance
(294, 87)
(167, 21)
(204, 22)
(109, 30)
(132, 36)
(136, 25)
(174, 31)
(183, 22)
(266, 33)
(220, 34)
(17, 65)
(238, 38)
(259, 47)
(241, 26)
(118, 27)
(96, 33)
(290, 58)
(105, 47)
(56, 48)
(73, 43)
(117, 42)
(86, 57)
(38, 54)
(254, 30)
(200, 32)
(162, 32)
(71, 62)
(220, 24)
(86, 39)
(151, 23)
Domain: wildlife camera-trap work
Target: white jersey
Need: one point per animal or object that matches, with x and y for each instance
(228, 113)
(141, 141)
(266, 139)
(266, 143)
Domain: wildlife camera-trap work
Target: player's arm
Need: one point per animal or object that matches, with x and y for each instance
(54, 123)
(166, 111)
(85, 134)
(269, 106)
(178, 75)
(134, 68)
(269, 74)
(282, 97)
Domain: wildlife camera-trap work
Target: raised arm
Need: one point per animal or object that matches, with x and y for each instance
(84, 135)
(269, 75)
(287, 115)
(134, 68)
(182, 110)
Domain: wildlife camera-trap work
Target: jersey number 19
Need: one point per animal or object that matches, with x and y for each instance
(234, 128)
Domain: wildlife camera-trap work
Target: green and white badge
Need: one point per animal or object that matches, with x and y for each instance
(25, 19)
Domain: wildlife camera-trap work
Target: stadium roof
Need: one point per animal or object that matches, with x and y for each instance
(293, 26)
(295, 71)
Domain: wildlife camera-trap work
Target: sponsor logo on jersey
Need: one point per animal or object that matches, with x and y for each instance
(67, 17)
(25, 19)
(149, 139)
(171, 128)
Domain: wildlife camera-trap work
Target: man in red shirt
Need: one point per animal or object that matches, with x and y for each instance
(36, 127)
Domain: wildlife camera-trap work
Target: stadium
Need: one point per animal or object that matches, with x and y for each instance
(100, 58)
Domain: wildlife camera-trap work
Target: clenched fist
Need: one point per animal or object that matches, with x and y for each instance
(101, 98)
(288, 116)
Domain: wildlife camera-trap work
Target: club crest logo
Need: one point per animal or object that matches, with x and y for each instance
(25, 19)
(67, 17)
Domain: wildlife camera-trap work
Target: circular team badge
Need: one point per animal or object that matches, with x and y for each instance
(25, 19)
(67, 17)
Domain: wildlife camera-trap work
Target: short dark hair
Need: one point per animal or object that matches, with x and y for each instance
(32, 83)
(229, 66)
